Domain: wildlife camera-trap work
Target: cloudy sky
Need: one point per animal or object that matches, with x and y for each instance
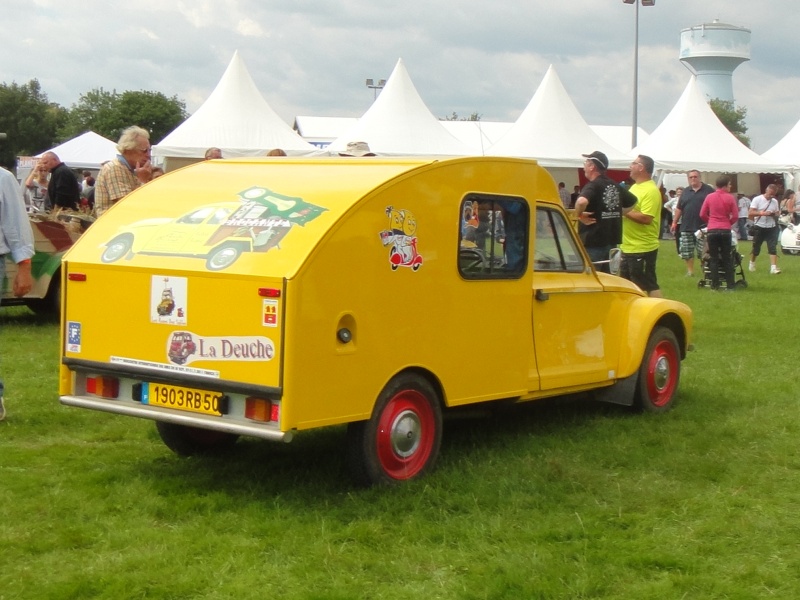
(311, 57)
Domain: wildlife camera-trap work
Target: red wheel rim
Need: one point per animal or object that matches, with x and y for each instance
(662, 370)
(406, 434)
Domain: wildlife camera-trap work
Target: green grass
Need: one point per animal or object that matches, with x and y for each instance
(558, 499)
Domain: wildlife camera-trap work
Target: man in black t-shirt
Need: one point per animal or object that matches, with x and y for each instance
(599, 209)
(63, 190)
(688, 213)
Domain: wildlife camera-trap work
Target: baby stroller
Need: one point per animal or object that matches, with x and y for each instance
(736, 260)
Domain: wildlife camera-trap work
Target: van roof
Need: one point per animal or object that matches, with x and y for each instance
(282, 203)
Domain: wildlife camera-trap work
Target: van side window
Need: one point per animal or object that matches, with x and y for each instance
(493, 237)
(555, 247)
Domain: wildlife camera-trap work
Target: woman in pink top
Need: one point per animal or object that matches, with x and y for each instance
(720, 211)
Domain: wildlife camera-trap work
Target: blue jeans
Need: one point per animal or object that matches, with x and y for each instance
(2, 276)
(743, 228)
(599, 253)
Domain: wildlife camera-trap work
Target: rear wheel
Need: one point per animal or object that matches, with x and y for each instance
(402, 438)
(189, 441)
(659, 372)
(117, 248)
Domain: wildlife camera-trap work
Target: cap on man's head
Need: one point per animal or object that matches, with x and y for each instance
(357, 149)
(598, 157)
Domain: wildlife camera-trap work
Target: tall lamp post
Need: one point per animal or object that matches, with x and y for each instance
(635, 127)
(376, 86)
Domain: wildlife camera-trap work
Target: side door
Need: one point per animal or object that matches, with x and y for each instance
(570, 310)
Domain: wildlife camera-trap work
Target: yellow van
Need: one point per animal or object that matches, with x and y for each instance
(265, 297)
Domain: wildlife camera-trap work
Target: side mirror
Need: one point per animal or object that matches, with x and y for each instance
(614, 259)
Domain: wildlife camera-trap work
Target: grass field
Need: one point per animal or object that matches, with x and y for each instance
(558, 499)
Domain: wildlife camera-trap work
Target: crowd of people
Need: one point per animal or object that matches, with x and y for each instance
(631, 218)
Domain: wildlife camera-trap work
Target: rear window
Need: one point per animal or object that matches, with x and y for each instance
(493, 237)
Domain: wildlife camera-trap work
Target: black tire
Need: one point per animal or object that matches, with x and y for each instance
(50, 305)
(117, 248)
(401, 440)
(740, 284)
(189, 441)
(659, 373)
(222, 257)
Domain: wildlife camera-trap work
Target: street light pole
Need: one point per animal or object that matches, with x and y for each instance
(376, 86)
(635, 120)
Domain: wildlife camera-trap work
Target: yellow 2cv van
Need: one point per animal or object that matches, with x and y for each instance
(265, 297)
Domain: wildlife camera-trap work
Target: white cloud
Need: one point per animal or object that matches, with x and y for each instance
(312, 56)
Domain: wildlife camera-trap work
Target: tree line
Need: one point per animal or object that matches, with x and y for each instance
(33, 124)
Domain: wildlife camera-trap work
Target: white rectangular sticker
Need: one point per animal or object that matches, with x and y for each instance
(168, 299)
(270, 313)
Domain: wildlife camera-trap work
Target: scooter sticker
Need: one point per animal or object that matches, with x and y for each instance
(402, 227)
(168, 299)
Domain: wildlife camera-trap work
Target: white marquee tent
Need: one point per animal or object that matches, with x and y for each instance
(235, 118)
(551, 130)
(477, 135)
(87, 151)
(787, 150)
(399, 123)
(692, 137)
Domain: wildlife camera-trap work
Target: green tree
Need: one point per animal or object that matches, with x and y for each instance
(732, 117)
(29, 119)
(454, 117)
(94, 111)
(108, 113)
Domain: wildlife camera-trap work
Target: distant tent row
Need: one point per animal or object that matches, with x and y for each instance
(237, 118)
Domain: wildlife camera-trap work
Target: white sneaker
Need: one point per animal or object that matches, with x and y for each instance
(774, 271)
(752, 267)
(2, 409)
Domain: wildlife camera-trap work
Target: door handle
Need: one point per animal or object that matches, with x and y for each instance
(541, 295)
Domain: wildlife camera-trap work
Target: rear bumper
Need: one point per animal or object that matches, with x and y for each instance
(156, 413)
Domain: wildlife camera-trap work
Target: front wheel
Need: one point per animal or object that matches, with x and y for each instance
(189, 441)
(223, 257)
(402, 438)
(659, 372)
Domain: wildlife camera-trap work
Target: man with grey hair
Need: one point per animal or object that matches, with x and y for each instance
(130, 169)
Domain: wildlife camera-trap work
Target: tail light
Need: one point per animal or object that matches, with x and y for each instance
(105, 387)
(259, 409)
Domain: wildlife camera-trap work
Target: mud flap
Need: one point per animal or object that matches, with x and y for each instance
(622, 392)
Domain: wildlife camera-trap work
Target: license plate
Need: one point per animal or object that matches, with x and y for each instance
(181, 398)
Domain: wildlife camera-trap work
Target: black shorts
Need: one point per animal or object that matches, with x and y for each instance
(640, 268)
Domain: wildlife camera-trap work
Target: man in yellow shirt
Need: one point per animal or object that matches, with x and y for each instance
(640, 227)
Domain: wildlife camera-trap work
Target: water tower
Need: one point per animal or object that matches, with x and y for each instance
(712, 51)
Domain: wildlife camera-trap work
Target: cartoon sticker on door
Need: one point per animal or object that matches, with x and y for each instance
(402, 227)
(219, 232)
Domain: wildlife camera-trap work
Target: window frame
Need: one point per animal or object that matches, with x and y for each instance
(473, 262)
